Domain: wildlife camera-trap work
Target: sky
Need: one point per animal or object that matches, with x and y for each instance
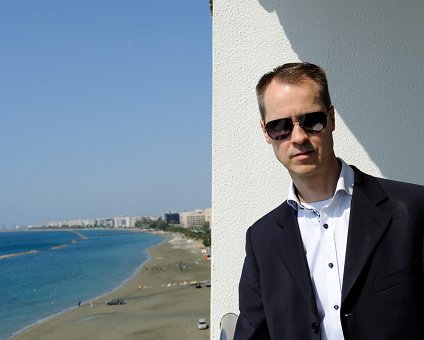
(105, 108)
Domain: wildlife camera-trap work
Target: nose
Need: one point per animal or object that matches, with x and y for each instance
(298, 135)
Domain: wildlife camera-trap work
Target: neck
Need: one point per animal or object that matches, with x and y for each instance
(320, 187)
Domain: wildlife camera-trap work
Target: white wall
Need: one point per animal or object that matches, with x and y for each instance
(374, 56)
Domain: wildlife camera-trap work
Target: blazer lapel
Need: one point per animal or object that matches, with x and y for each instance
(289, 247)
(367, 224)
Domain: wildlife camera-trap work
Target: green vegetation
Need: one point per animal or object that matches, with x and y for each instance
(202, 233)
(199, 232)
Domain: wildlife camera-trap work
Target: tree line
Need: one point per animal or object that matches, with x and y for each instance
(202, 233)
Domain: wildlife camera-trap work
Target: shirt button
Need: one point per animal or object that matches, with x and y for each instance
(315, 327)
(325, 226)
(330, 265)
(336, 307)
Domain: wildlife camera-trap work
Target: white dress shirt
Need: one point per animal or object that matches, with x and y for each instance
(324, 227)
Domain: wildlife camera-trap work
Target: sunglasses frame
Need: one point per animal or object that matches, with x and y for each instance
(299, 120)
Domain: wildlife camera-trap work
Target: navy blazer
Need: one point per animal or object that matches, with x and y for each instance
(383, 283)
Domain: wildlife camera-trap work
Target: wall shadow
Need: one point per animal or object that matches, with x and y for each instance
(374, 57)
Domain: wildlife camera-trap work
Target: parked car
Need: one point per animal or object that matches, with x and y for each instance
(201, 324)
(116, 301)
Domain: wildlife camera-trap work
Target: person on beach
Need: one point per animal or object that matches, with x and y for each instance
(342, 256)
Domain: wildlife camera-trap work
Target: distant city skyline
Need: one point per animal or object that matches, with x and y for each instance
(105, 109)
(187, 218)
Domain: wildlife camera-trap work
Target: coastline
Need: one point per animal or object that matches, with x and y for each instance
(161, 301)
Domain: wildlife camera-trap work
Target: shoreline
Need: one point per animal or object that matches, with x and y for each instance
(167, 237)
(174, 258)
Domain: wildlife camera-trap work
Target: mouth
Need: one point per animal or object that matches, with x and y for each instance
(302, 154)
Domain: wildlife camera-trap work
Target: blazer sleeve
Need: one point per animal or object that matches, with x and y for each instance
(251, 323)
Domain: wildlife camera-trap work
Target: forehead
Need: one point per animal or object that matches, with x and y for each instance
(284, 99)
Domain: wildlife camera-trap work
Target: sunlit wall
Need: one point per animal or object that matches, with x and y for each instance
(374, 57)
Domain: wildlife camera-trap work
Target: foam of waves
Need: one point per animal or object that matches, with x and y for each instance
(81, 236)
(2, 257)
(59, 246)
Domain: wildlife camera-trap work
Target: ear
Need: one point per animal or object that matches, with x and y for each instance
(268, 140)
(332, 117)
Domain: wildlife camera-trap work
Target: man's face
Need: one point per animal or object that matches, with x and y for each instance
(304, 154)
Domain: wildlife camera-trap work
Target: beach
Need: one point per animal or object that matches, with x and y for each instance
(161, 301)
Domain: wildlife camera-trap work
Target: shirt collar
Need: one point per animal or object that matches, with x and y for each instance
(344, 184)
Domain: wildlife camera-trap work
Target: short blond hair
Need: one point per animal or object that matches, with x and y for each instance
(294, 73)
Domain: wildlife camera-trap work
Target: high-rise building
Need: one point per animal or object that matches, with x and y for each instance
(121, 222)
(171, 217)
(194, 218)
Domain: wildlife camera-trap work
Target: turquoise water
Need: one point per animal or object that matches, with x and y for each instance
(43, 273)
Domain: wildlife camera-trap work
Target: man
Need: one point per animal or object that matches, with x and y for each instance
(342, 257)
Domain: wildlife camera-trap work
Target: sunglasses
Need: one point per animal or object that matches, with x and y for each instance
(280, 129)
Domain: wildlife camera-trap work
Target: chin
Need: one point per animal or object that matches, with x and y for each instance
(304, 171)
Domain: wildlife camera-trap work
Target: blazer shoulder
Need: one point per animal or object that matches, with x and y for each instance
(398, 185)
(271, 218)
(392, 189)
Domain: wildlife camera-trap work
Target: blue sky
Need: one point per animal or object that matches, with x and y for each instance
(105, 108)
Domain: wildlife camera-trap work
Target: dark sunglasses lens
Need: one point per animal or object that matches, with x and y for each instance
(314, 122)
(279, 129)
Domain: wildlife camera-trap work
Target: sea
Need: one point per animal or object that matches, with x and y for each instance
(43, 273)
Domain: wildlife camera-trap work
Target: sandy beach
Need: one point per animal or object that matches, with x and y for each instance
(161, 302)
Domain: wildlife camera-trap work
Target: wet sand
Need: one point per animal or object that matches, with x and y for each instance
(161, 302)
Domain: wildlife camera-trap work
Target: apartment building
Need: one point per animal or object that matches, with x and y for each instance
(194, 218)
(171, 217)
(121, 222)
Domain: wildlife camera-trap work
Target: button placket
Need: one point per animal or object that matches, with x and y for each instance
(332, 273)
